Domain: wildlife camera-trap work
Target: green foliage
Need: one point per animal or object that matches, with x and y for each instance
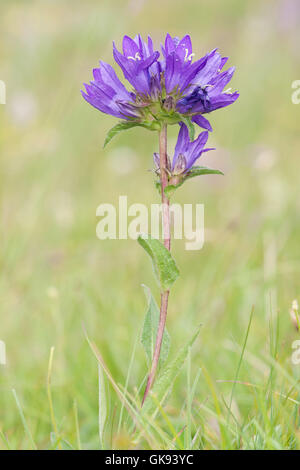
(149, 332)
(102, 405)
(164, 265)
(171, 188)
(202, 170)
(194, 171)
(125, 125)
(164, 383)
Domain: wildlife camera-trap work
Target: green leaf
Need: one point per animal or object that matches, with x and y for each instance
(164, 266)
(123, 126)
(150, 328)
(157, 184)
(163, 385)
(202, 170)
(171, 188)
(194, 171)
(187, 121)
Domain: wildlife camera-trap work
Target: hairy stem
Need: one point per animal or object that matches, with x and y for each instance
(167, 242)
(164, 182)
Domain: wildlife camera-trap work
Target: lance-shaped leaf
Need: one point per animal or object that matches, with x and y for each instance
(164, 266)
(202, 170)
(123, 126)
(163, 385)
(150, 328)
(194, 171)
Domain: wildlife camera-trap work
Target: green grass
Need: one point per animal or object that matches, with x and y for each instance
(238, 388)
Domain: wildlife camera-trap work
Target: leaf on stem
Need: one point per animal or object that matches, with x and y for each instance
(194, 171)
(203, 170)
(164, 265)
(150, 328)
(163, 385)
(123, 126)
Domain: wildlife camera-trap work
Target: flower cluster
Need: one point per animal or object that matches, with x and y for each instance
(168, 87)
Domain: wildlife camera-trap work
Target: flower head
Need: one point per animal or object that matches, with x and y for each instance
(167, 87)
(185, 156)
(199, 85)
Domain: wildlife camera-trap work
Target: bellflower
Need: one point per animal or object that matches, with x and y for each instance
(108, 94)
(166, 88)
(139, 64)
(185, 156)
(198, 85)
(141, 68)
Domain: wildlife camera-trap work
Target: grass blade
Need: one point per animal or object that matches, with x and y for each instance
(49, 393)
(24, 422)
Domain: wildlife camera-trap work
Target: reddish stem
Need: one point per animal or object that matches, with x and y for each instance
(167, 244)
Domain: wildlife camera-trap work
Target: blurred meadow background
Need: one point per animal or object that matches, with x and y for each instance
(59, 281)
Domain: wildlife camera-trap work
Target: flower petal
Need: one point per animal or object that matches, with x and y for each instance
(220, 81)
(182, 143)
(130, 47)
(210, 69)
(224, 99)
(196, 149)
(202, 122)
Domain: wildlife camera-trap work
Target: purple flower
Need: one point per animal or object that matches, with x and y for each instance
(199, 85)
(109, 95)
(141, 68)
(177, 64)
(166, 87)
(186, 154)
(139, 64)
